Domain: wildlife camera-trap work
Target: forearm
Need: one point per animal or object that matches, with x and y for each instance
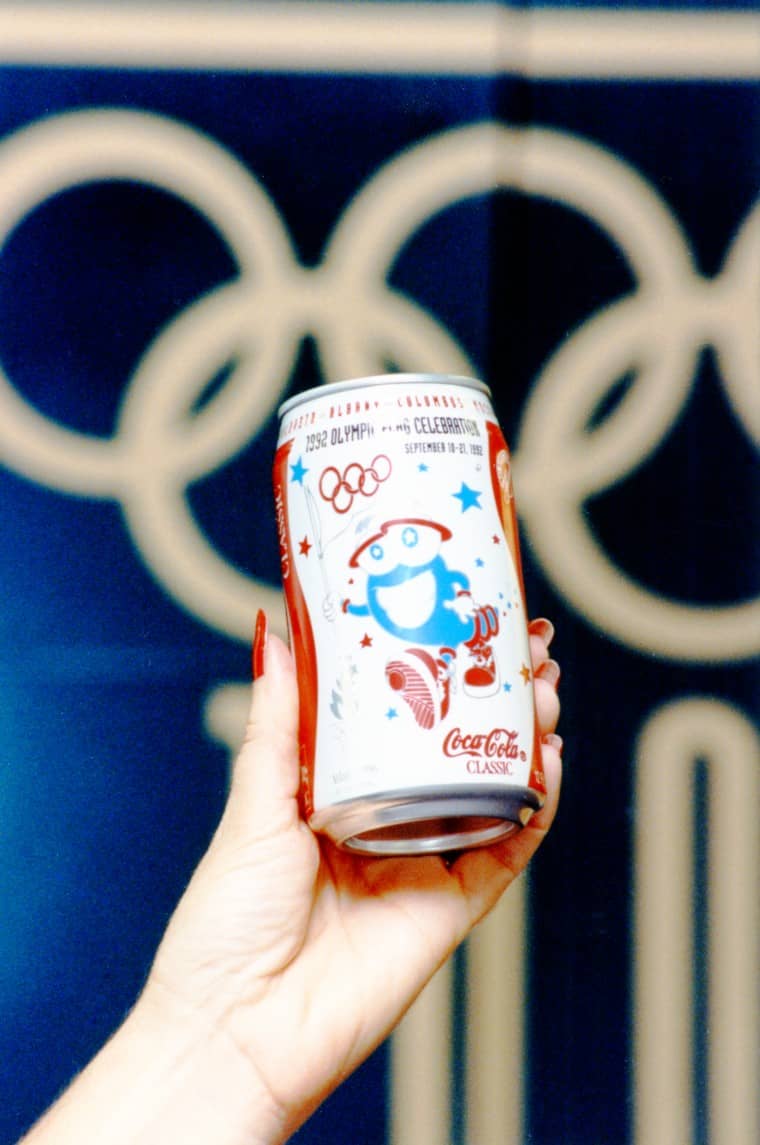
(159, 1081)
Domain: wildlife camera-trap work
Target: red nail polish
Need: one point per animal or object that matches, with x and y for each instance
(259, 643)
(549, 671)
(542, 628)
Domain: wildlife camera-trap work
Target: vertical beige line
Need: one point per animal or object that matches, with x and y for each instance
(675, 738)
(734, 929)
(495, 1024)
(663, 945)
(421, 1065)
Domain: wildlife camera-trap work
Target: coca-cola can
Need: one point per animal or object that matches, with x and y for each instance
(406, 611)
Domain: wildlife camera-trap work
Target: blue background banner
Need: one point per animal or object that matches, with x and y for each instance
(205, 208)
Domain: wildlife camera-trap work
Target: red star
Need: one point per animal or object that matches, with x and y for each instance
(525, 673)
(366, 641)
(304, 546)
(496, 540)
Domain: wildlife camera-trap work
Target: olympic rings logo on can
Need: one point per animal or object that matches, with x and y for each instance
(339, 489)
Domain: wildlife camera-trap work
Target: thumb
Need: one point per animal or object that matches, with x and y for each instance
(263, 795)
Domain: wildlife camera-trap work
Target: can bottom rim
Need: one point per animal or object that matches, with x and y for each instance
(427, 823)
(431, 836)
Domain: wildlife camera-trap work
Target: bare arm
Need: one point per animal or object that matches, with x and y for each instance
(271, 984)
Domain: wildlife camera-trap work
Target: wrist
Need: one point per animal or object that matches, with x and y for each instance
(202, 1086)
(165, 1075)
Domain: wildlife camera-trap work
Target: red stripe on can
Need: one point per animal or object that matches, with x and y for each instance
(501, 484)
(301, 634)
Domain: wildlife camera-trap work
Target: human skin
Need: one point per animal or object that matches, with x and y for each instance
(287, 961)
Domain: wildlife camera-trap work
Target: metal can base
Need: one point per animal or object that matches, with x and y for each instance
(425, 823)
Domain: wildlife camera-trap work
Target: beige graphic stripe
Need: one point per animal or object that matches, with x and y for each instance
(675, 739)
(495, 1025)
(421, 1068)
(426, 38)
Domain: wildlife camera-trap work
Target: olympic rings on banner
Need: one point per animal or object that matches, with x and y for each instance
(164, 440)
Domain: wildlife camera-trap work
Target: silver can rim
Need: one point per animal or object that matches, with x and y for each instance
(329, 388)
(353, 824)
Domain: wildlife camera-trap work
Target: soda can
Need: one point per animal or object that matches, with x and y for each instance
(406, 612)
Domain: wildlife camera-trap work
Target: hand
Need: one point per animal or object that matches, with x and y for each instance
(304, 957)
(287, 961)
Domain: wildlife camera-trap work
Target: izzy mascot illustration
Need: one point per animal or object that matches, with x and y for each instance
(412, 594)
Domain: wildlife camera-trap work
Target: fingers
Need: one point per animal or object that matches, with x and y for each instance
(546, 676)
(543, 630)
(263, 798)
(484, 874)
(547, 706)
(541, 634)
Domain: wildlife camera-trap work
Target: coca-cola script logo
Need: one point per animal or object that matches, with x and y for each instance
(492, 752)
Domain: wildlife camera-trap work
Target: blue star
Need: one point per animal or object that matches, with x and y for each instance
(507, 687)
(422, 467)
(391, 714)
(298, 471)
(479, 562)
(468, 497)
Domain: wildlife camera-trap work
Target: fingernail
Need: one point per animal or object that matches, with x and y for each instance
(549, 671)
(542, 628)
(259, 643)
(553, 740)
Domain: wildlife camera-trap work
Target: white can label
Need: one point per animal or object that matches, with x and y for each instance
(406, 605)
